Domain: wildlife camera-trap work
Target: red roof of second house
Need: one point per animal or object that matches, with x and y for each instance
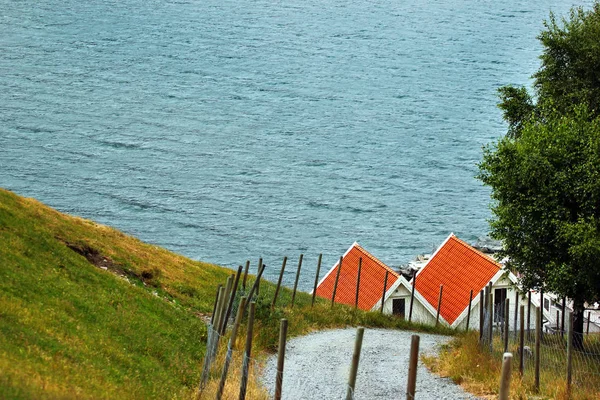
(460, 268)
(372, 277)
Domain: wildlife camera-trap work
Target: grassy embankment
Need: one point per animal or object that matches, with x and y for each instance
(478, 371)
(89, 312)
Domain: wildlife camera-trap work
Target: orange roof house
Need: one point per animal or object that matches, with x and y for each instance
(459, 268)
(372, 278)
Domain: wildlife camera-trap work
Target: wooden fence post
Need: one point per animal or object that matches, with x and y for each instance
(529, 316)
(354, 367)
(569, 354)
(358, 283)
(316, 280)
(212, 316)
(506, 323)
(490, 337)
(384, 290)
(516, 312)
(260, 263)
(231, 347)
(437, 317)
(217, 316)
(562, 320)
(223, 322)
(481, 314)
(587, 330)
(505, 377)
(279, 282)
(542, 311)
(247, 351)
(522, 341)
(337, 278)
(245, 274)
(280, 358)
(232, 298)
(256, 282)
(469, 310)
(296, 281)
(412, 295)
(538, 339)
(411, 386)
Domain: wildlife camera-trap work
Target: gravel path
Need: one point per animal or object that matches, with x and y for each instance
(317, 367)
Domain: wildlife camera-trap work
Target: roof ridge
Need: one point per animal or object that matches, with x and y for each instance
(375, 259)
(477, 252)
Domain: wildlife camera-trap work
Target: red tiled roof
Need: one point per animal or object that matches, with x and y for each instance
(460, 268)
(372, 277)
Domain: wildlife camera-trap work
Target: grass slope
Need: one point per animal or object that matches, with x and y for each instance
(69, 329)
(88, 312)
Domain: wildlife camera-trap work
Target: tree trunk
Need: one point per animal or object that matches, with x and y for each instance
(578, 313)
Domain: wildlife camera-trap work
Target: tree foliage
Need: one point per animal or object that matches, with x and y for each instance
(546, 187)
(569, 74)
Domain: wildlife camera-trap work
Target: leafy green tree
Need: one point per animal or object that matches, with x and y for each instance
(546, 191)
(569, 74)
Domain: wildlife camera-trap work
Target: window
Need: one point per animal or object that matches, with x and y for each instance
(398, 307)
(547, 304)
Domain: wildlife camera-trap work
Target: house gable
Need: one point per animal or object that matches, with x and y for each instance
(372, 278)
(460, 268)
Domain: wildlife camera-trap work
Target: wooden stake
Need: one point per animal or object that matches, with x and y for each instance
(245, 275)
(217, 315)
(562, 320)
(411, 386)
(260, 263)
(384, 287)
(569, 354)
(280, 358)
(516, 312)
(491, 313)
(337, 278)
(223, 322)
(481, 308)
(505, 377)
(316, 280)
(506, 323)
(522, 341)
(256, 282)
(297, 277)
(355, 359)
(231, 346)
(538, 339)
(437, 317)
(279, 282)
(412, 295)
(587, 330)
(469, 309)
(212, 316)
(247, 351)
(358, 283)
(541, 310)
(529, 316)
(232, 297)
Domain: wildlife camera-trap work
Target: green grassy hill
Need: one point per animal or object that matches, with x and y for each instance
(70, 327)
(87, 312)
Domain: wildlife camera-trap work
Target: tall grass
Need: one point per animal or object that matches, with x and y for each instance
(478, 371)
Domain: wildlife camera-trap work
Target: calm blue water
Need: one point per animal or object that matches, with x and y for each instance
(227, 130)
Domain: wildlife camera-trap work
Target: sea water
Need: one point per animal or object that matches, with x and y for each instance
(232, 130)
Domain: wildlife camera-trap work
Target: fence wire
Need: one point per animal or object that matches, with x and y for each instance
(553, 353)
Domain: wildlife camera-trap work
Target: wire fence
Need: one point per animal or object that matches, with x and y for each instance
(555, 360)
